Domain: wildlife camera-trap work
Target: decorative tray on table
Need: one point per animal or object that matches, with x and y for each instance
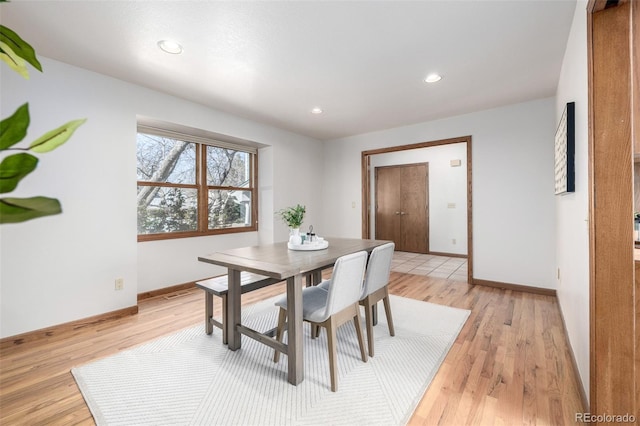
(308, 246)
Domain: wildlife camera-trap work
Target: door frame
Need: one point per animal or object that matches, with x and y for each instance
(375, 213)
(614, 124)
(366, 188)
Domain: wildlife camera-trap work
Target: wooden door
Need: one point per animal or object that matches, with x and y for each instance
(388, 204)
(414, 218)
(402, 206)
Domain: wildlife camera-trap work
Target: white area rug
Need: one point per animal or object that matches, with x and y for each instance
(189, 378)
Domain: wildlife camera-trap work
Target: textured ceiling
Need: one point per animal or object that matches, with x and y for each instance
(363, 62)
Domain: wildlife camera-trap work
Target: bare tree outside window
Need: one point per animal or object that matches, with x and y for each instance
(171, 197)
(228, 168)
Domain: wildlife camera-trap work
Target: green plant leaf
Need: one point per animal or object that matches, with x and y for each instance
(293, 216)
(54, 138)
(13, 168)
(19, 46)
(13, 129)
(15, 210)
(14, 61)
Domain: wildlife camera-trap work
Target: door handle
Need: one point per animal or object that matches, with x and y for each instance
(403, 213)
(397, 212)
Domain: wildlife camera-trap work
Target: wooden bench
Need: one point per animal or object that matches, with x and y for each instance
(218, 286)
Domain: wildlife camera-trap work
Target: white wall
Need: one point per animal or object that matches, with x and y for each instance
(572, 210)
(447, 185)
(62, 268)
(513, 201)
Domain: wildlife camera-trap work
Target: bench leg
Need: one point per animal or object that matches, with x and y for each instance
(225, 337)
(208, 312)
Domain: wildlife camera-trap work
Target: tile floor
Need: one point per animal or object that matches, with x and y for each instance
(452, 268)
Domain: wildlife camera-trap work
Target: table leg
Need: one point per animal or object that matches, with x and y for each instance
(233, 309)
(294, 330)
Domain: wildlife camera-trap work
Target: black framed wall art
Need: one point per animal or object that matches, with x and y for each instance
(565, 151)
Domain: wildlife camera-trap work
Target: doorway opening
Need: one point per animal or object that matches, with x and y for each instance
(369, 213)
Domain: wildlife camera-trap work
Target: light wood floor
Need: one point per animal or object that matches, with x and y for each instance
(510, 364)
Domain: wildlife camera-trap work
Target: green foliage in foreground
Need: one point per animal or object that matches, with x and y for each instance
(17, 53)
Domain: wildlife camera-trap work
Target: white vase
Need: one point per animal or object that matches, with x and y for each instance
(294, 236)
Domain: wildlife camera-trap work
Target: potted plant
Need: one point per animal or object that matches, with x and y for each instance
(293, 217)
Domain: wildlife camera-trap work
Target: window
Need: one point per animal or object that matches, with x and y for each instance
(191, 186)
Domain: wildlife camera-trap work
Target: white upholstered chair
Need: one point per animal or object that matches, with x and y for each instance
(332, 307)
(375, 288)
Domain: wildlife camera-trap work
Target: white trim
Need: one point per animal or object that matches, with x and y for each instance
(188, 134)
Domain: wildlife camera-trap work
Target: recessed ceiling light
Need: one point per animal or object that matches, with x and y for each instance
(316, 110)
(432, 78)
(170, 46)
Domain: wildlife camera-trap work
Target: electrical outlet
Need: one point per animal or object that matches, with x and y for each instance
(453, 241)
(119, 283)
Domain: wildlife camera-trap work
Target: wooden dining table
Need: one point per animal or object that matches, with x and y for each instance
(280, 263)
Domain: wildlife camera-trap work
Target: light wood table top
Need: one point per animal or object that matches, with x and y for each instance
(277, 261)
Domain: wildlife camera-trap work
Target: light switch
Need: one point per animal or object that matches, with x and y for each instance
(456, 163)
(353, 204)
(451, 205)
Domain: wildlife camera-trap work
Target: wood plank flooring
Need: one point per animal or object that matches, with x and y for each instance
(510, 364)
